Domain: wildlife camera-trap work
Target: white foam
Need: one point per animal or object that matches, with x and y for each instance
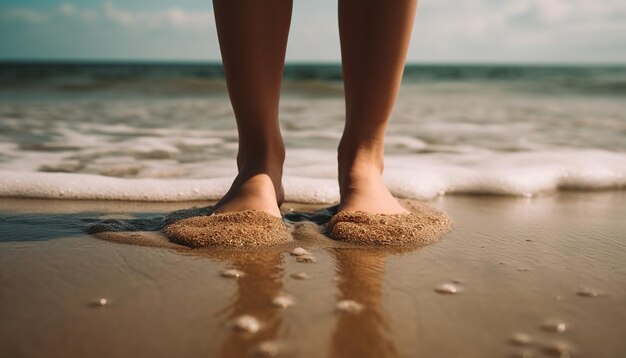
(310, 177)
(521, 173)
(96, 187)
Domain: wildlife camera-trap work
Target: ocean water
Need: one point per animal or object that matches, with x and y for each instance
(165, 132)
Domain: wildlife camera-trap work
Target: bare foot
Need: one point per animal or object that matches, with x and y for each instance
(368, 213)
(253, 192)
(258, 186)
(248, 215)
(362, 187)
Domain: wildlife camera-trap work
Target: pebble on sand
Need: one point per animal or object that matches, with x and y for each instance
(555, 326)
(301, 276)
(558, 349)
(283, 301)
(588, 292)
(267, 349)
(299, 251)
(246, 323)
(306, 259)
(521, 339)
(349, 306)
(523, 354)
(103, 302)
(232, 273)
(447, 289)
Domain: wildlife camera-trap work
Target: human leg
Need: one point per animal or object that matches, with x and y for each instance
(253, 39)
(374, 41)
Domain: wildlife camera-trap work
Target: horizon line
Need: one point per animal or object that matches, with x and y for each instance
(299, 62)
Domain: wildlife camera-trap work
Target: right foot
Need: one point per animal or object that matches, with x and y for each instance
(253, 192)
(258, 186)
(361, 184)
(250, 214)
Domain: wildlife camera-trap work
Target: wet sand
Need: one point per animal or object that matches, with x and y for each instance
(544, 276)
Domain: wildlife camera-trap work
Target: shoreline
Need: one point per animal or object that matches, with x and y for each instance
(520, 266)
(50, 205)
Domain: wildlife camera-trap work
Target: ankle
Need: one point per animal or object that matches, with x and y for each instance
(263, 163)
(268, 159)
(359, 161)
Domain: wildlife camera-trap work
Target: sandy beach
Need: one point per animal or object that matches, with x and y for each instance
(541, 276)
(310, 179)
(529, 162)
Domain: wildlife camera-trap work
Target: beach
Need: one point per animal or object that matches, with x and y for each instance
(528, 162)
(542, 276)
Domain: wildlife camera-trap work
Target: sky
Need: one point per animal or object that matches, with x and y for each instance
(446, 31)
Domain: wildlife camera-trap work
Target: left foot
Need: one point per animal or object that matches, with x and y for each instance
(368, 213)
(387, 225)
(362, 187)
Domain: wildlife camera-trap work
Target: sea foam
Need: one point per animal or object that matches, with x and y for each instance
(310, 177)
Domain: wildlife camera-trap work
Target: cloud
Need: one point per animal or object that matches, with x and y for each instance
(521, 31)
(485, 31)
(110, 14)
(447, 31)
(107, 30)
(172, 17)
(25, 15)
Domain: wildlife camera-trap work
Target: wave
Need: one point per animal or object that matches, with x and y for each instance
(203, 78)
(311, 179)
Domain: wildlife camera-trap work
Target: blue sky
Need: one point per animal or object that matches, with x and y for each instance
(501, 31)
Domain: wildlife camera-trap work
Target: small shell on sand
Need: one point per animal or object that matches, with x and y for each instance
(306, 259)
(588, 292)
(240, 228)
(283, 301)
(267, 349)
(558, 349)
(349, 306)
(521, 339)
(523, 354)
(555, 326)
(447, 289)
(246, 323)
(424, 226)
(232, 273)
(300, 276)
(299, 251)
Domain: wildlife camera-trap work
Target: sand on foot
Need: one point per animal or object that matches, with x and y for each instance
(423, 225)
(241, 228)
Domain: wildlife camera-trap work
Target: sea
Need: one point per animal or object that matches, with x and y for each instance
(151, 131)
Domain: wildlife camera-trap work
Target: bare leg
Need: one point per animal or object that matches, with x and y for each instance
(374, 40)
(253, 38)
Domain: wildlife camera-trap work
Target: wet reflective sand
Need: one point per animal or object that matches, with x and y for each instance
(542, 276)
